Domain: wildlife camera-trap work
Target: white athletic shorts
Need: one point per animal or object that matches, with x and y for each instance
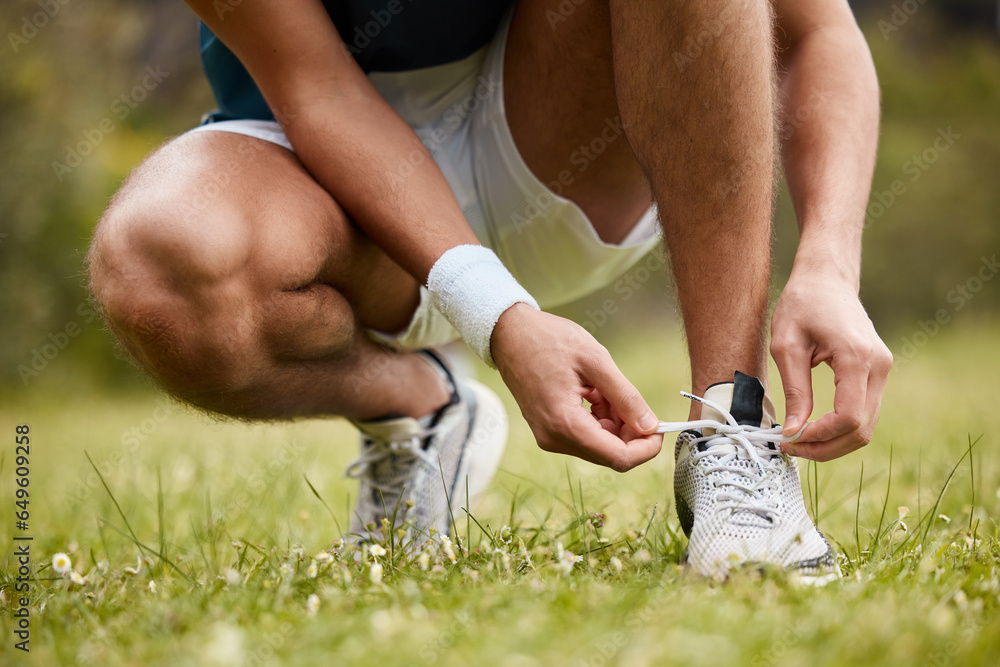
(544, 239)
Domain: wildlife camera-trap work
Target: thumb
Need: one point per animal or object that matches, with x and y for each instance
(795, 368)
(603, 375)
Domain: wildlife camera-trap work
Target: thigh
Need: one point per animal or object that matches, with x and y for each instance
(560, 100)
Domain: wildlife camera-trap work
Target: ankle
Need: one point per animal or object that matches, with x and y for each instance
(427, 389)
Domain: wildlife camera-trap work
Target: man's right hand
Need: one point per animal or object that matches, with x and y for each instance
(552, 365)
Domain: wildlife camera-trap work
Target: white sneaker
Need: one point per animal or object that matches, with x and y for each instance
(739, 499)
(441, 459)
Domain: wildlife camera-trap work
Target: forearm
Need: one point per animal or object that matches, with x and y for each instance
(360, 150)
(350, 139)
(829, 135)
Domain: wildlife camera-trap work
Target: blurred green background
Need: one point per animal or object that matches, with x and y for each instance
(77, 77)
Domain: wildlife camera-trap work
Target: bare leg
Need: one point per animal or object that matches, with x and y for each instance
(241, 286)
(560, 98)
(702, 134)
(703, 128)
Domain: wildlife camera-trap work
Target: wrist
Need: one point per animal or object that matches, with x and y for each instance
(829, 262)
(472, 289)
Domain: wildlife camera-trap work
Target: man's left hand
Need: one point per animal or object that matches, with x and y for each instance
(820, 319)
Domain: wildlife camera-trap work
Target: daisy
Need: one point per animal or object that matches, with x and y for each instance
(312, 604)
(448, 550)
(377, 550)
(75, 577)
(61, 563)
(375, 574)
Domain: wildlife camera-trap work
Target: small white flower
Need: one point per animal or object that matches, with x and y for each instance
(286, 571)
(152, 586)
(425, 560)
(102, 566)
(232, 577)
(61, 563)
(313, 570)
(375, 574)
(505, 535)
(567, 559)
(448, 550)
(616, 563)
(377, 550)
(312, 604)
(323, 558)
(137, 568)
(75, 577)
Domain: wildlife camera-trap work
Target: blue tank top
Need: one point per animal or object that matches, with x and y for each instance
(383, 36)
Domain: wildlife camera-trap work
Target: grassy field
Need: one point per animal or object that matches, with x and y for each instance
(231, 530)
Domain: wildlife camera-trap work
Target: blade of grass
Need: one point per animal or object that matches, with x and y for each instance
(857, 513)
(159, 513)
(885, 503)
(135, 539)
(972, 482)
(323, 502)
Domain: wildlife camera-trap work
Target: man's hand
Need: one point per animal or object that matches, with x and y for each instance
(820, 318)
(552, 366)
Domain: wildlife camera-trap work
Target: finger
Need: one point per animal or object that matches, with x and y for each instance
(584, 438)
(850, 442)
(604, 376)
(794, 361)
(599, 407)
(849, 402)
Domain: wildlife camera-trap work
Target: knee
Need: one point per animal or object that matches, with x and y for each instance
(174, 293)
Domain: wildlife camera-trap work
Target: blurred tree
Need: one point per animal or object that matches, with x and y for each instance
(88, 89)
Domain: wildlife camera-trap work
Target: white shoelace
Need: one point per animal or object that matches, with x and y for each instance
(407, 451)
(726, 445)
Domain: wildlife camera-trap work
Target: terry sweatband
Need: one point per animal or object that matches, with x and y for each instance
(472, 288)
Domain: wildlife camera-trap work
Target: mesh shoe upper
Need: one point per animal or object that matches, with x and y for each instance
(738, 498)
(428, 462)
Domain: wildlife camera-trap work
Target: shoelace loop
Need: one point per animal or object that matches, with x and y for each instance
(405, 450)
(725, 445)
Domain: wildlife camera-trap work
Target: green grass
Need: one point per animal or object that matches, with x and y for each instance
(229, 526)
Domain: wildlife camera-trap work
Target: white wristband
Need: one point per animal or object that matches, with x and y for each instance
(472, 288)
